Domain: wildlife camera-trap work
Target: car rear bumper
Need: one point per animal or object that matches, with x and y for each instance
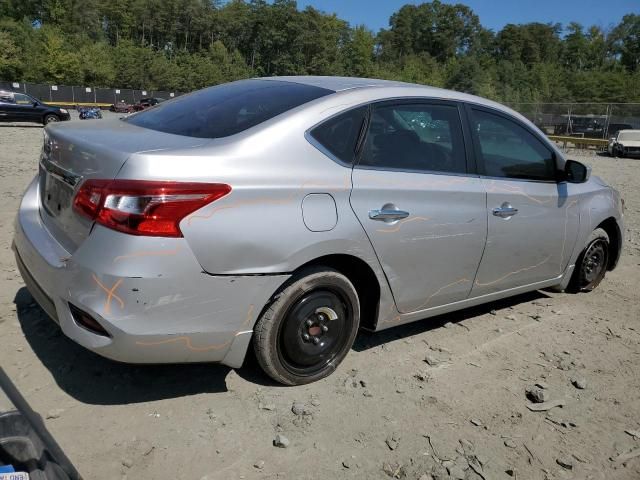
(150, 295)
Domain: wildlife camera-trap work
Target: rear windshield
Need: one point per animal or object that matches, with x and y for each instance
(226, 109)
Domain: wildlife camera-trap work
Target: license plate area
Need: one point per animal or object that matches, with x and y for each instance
(56, 195)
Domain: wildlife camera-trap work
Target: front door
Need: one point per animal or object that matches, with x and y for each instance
(532, 221)
(423, 211)
(27, 109)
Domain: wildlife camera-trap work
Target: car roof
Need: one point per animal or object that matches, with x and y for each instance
(339, 84)
(357, 91)
(387, 88)
(12, 93)
(628, 130)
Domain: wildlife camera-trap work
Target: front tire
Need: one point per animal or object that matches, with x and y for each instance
(50, 118)
(308, 328)
(592, 263)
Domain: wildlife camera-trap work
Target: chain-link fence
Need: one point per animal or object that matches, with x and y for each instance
(72, 95)
(586, 120)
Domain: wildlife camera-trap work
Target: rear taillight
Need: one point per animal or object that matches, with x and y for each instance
(141, 207)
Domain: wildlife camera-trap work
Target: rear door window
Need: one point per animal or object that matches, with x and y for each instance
(226, 109)
(339, 135)
(420, 137)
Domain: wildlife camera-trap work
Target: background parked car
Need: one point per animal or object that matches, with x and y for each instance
(20, 107)
(614, 128)
(625, 143)
(145, 103)
(586, 126)
(121, 107)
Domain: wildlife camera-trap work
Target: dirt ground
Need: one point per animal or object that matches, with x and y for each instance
(385, 412)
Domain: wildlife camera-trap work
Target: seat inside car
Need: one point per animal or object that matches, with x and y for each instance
(389, 140)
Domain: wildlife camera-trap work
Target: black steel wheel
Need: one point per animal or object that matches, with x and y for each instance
(313, 331)
(592, 263)
(309, 327)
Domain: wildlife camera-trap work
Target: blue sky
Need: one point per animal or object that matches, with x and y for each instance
(494, 14)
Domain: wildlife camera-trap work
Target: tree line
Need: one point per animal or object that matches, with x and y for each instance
(188, 44)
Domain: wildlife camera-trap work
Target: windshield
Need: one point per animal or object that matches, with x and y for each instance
(633, 135)
(226, 109)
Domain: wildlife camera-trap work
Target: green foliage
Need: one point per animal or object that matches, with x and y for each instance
(188, 44)
(57, 60)
(441, 30)
(358, 52)
(414, 69)
(625, 39)
(530, 43)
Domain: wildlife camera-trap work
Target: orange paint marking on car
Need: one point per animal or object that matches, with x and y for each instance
(403, 222)
(424, 304)
(110, 294)
(497, 187)
(515, 272)
(187, 342)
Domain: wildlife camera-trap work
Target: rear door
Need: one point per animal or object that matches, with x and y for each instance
(532, 219)
(6, 113)
(419, 201)
(10, 111)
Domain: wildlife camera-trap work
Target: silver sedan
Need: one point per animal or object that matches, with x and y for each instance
(284, 214)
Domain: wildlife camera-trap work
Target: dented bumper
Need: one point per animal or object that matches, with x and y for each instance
(149, 294)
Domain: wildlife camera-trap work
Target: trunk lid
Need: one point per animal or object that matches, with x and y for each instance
(78, 151)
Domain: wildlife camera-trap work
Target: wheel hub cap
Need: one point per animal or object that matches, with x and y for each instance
(594, 262)
(315, 330)
(318, 324)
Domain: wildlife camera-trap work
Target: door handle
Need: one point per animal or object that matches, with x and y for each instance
(387, 214)
(505, 211)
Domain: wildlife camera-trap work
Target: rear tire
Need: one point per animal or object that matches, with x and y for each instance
(592, 263)
(308, 328)
(50, 118)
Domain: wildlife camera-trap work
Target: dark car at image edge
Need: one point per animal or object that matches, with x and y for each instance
(20, 107)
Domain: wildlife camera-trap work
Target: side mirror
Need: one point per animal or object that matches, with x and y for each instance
(576, 172)
(35, 104)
